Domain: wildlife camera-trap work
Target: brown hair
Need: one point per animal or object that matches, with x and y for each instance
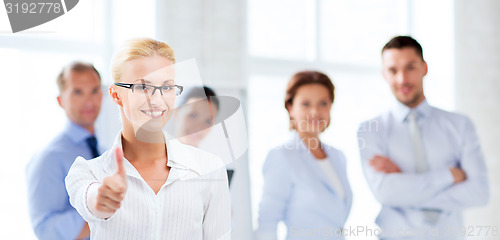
(77, 67)
(400, 42)
(304, 78)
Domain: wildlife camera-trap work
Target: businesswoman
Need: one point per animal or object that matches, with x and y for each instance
(149, 186)
(197, 111)
(305, 182)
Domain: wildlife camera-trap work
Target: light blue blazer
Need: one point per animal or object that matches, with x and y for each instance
(298, 192)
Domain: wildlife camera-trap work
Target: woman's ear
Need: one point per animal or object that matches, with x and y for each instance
(287, 106)
(114, 95)
(289, 109)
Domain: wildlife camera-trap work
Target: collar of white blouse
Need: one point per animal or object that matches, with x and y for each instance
(179, 156)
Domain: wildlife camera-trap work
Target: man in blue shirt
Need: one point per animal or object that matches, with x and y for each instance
(51, 213)
(423, 164)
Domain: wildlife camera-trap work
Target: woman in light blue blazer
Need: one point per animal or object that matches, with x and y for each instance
(305, 180)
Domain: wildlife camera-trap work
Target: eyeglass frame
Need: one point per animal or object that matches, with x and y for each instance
(131, 86)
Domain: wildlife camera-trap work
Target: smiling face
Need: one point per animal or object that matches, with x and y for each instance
(404, 70)
(81, 98)
(140, 109)
(310, 109)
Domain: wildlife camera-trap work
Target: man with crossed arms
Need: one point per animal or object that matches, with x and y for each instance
(423, 164)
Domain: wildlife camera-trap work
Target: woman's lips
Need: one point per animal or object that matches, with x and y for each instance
(154, 113)
(315, 121)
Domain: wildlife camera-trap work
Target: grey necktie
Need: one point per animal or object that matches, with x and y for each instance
(430, 215)
(416, 141)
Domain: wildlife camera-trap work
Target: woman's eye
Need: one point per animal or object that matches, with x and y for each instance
(140, 87)
(305, 104)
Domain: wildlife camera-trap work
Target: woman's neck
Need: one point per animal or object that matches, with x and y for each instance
(313, 143)
(143, 146)
(310, 140)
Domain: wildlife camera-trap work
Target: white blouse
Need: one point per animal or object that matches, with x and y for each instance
(328, 168)
(193, 203)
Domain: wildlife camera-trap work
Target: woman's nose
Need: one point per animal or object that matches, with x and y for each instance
(313, 111)
(155, 97)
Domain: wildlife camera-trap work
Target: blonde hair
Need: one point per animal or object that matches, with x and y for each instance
(136, 48)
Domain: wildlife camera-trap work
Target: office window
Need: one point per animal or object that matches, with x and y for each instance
(281, 30)
(351, 32)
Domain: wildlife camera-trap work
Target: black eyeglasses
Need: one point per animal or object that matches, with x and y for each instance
(150, 89)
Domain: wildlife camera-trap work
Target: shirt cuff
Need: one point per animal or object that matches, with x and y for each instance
(442, 178)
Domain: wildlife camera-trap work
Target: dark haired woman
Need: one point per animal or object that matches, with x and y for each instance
(305, 180)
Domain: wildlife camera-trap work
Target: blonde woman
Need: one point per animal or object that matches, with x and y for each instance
(149, 186)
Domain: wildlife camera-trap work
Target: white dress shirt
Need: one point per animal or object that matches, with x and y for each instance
(193, 203)
(449, 140)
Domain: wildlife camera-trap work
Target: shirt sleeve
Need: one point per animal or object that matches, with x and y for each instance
(51, 215)
(217, 217)
(78, 181)
(397, 189)
(474, 191)
(275, 196)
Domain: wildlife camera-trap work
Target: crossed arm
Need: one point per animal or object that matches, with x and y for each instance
(385, 165)
(445, 189)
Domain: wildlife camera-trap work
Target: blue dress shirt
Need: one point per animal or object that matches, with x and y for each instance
(449, 140)
(52, 216)
(298, 192)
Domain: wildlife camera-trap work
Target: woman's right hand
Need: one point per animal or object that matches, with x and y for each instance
(111, 192)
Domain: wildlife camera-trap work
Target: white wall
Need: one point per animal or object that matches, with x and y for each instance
(477, 93)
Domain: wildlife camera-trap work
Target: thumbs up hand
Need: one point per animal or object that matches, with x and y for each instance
(111, 192)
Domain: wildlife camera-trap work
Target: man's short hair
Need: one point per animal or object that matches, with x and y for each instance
(77, 67)
(401, 42)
